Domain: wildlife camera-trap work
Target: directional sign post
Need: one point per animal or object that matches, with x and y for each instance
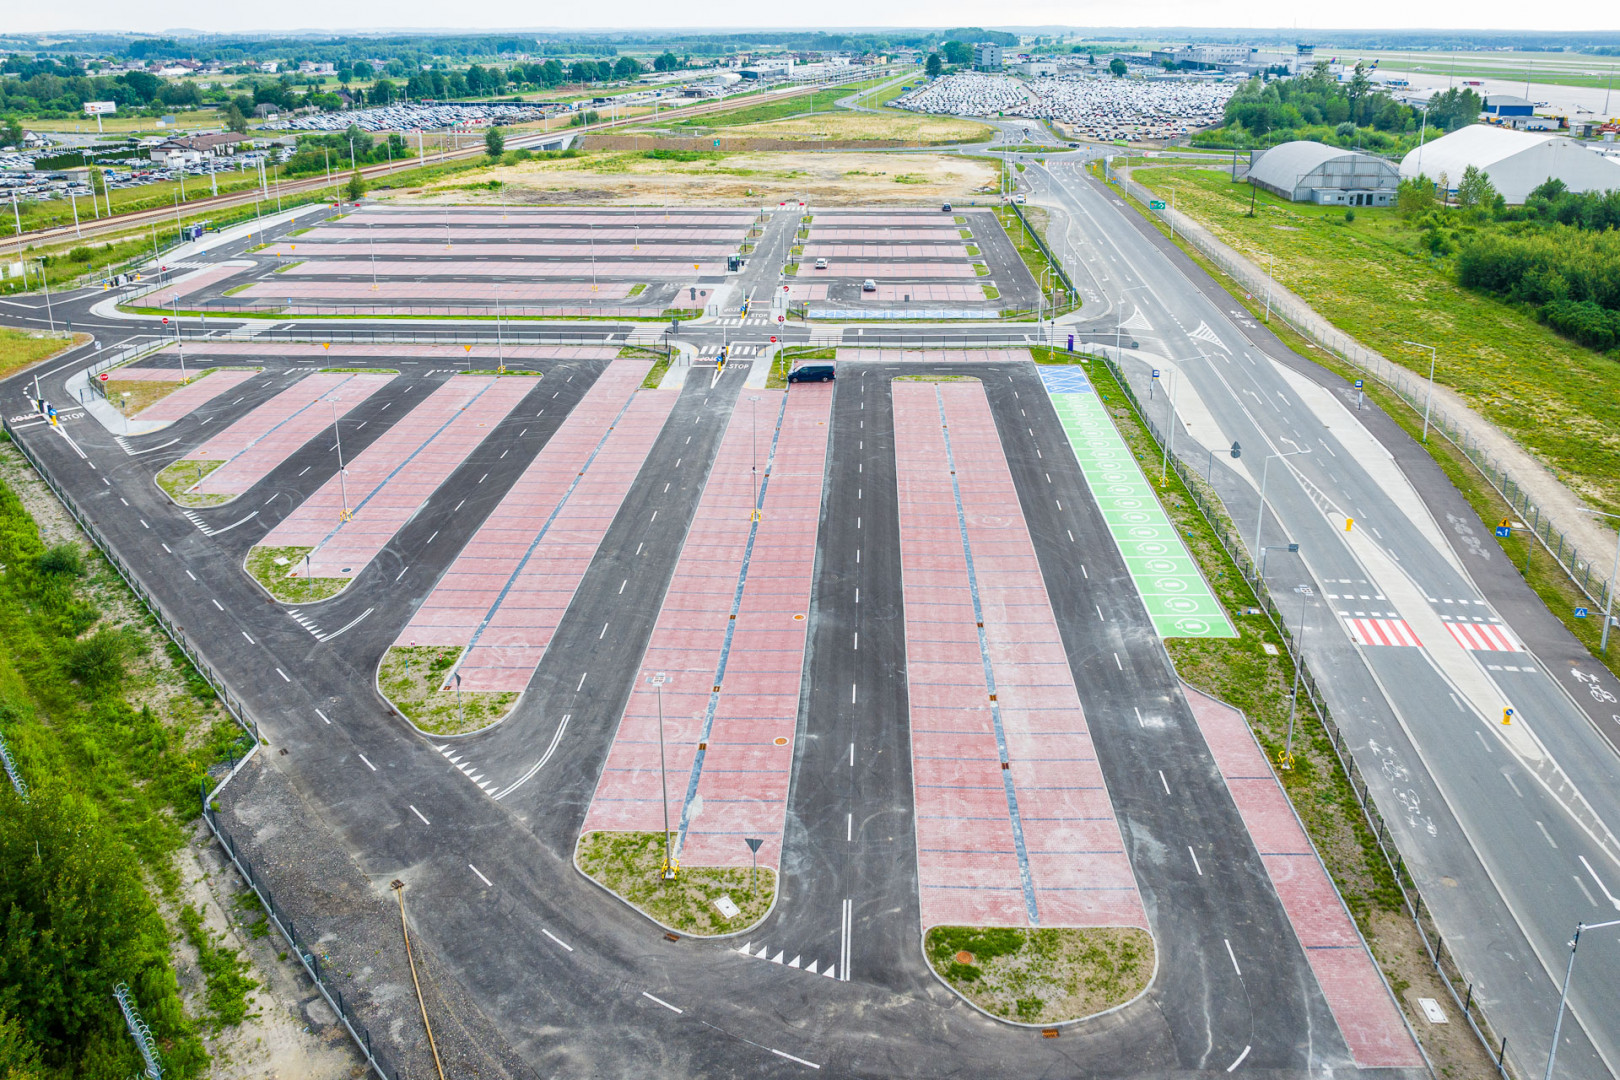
(753, 850)
(1580, 613)
(1156, 204)
(1360, 393)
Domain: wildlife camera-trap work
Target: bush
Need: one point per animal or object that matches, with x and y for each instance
(80, 254)
(62, 560)
(97, 662)
(1591, 325)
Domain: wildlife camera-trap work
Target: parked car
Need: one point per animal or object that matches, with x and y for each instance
(868, 285)
(946, 208)
(811, 373)
(821, 264)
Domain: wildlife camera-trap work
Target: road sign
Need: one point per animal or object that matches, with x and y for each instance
(1580, 613)
(1358, 384)
(1155, 373)
(781, 318)
(1504, 531)
(103, 376)
(773, 339)
(1236, 451)
(1156, 204)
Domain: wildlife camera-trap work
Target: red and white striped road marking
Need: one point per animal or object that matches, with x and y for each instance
(1382, 632)
(1486, 637)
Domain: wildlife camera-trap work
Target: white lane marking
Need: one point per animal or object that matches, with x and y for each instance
(1200, 870)
(369, 765)
(857, 642)
(1100, 617)
(283, 675)
(418, 813)
(661, 1001)
(168, 549)
(849, 828)
(250, 641)
(603, 634)
(622, 584)
(852, 693)
(190, 575)
(1162, 780)
(348, 625)
(1117, 663)
(852, 755)
(430, 539)
(1239, 1060)
(796, 1060)
(581, 685)
(322, 715)
(1547, 835)
(552, 749)
(555, 938)
(400, 574)
(1233, 955)
(144, 525)
(844, 935)
(481, 877)
(1606, 893)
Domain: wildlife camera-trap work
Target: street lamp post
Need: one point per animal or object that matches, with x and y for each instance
(1614, 576)
(657, 679)
(753, 420)
(1563, 997)
(1429, 397)
(1271, 262)
(1260, 517)
(343, 485)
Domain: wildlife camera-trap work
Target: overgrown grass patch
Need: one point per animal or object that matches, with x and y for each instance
(22, 348)
(273, 568)
(413, 678)
(178, 478)
(631, 865)
(1042, 976)
(224, 970)
(144, 393)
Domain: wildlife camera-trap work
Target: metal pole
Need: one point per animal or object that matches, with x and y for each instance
(663, 778)
(342, 482)
(1563, 997)
(1429, 397)
(1299, 662)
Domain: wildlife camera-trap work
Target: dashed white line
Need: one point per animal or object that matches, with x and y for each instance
(283, 675)
(1117, 663)
(546, 932)
(482, 878)
(796, 1060)
(1200, 870)
(322, 716)
(1235, 967)
(250, 641)
(190, 575)
(418, 813)
(1546, 834)
(367, 760)
(1162, 780)
(168, 549)
(581, 685)
(661, 1001)
(1239, 1060)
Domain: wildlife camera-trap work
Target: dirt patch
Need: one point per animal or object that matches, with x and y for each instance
(907, 128)
(412, 678)
(823, 178)
(631, 864)
(1042, 976)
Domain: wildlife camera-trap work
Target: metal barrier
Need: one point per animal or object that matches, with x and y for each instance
(1299, 317)
(1214, 514)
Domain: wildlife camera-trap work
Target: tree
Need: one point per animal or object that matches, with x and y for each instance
(1415, 197)
(98, 181)
(235, 119)
(1475, 189)
(667, 61)
(957, 52)
(935, 65)
(1117, 66)
(362, 70)
(356, 186)
(382, 92)
(1360, 86)
(494, 143)
(11, 132)
(626, 67)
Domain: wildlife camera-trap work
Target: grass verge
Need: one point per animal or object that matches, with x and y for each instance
(1043, 976)
(133, 396)
(178, 478)
(630, 865)
(273, 568)
(22, 348)
(412, 677)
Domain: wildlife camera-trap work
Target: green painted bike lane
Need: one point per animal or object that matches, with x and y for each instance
(1176, 596)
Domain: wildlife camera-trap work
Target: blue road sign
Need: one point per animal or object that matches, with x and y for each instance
(1504, 531)
(1358, 384)
(1580, 613)
(1155, 373)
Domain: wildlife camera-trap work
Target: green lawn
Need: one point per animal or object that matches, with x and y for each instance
(819, 101)
(1370, 278)
(22, 348)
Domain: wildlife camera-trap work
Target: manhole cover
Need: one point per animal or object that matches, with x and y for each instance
(781, 741)
(345, 570)
(964, 957)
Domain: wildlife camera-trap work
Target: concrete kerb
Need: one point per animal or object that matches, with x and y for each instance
(376, 683)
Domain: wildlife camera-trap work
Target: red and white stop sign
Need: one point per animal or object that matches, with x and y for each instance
(103, 376)
(781, 318)
(773, 339)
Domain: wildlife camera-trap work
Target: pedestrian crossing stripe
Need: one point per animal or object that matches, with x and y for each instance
(1482, 637)
(1382, 632)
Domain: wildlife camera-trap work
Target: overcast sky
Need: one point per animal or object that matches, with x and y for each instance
(717, 14)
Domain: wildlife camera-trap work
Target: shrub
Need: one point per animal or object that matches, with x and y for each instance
(1592, 326)
(62, 560)
(97, 662)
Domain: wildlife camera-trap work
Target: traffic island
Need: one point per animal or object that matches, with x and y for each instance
(180, 480)
(280, 570)
(135, 396)
(412, 678)
(702, 901)
(1044, 976)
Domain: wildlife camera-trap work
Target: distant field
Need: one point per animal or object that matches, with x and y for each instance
(1557, 69)
(1368, 277)
(844, 124)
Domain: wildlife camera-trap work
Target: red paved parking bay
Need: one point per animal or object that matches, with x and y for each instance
(732, 699)
(1360, 1001)
(1014, 824)
(509, 587)
(390, 480)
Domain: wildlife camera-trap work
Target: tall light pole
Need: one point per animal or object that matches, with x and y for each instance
(1429, 397)
(343, 485)
(1260, 517)
(1563, 997)
(657, 679)
(753, 420)
(1614, 578)
(1299, 661)
(1271, 262)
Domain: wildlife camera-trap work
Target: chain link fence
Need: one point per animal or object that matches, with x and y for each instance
(1459, 429)
(1434, 945)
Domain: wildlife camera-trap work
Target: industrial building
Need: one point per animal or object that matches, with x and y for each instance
(987, 56)
(1317, 173)
(1517, 162)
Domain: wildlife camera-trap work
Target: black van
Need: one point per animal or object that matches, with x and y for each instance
(811, 373)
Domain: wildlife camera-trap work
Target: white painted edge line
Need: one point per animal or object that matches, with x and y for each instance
(322, 715)
(369, 765)
(790, 1057)
(1239, 1060)
(283, 674)
(418, 813)
(1233, 957)
(661, 1001)
(548, 933)
(481, 877)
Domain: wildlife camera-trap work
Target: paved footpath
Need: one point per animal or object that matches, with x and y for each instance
(730, 638)
(1368, 1018)
(394, 477)
(267, 436)
(511, 584)
(1014, 823)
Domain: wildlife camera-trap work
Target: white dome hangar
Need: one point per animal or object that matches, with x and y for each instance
(1314, 172)
(1517, 162)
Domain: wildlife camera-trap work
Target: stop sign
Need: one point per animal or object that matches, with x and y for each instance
(781, 318)
(103, 376)
(773, 342)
